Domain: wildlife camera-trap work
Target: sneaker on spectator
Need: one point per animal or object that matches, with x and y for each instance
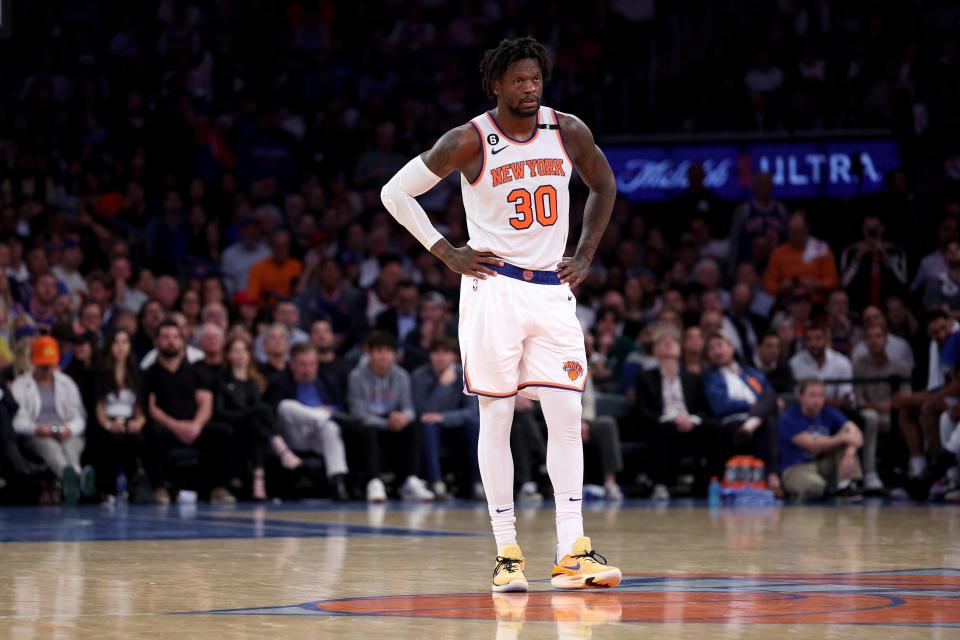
(439, 489)
(222, 495)
(376, 492)
(88, 482)
(612, 491)
(478, 493)
(529, 493)
(415, 490)
(940, 488)
(660, 493)
(898, 493)
(952, 496)
(872, 483)
(70, 485)
(161, 496)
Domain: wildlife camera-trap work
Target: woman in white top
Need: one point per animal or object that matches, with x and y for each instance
(117, 442)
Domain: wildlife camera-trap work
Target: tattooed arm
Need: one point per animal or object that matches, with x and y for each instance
(593, 168)
(458, 149)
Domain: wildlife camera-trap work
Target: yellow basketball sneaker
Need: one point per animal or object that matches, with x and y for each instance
(508, 574)
(584, 569)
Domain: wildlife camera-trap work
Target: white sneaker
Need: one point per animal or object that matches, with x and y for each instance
(872, 482)
(529, 493)
(415, 490)
(918, 464)
(439, 489)
(660, 493)
(376, 492)
(612, 492)
(478, 493)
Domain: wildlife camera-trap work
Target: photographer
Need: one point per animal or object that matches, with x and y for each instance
(871, 270)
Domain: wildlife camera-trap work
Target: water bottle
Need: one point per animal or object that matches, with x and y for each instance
(121, 488)
(713, 492)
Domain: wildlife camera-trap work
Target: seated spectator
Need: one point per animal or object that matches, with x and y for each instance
(237, 260)
(772, 363)
(239, 402)
(276, 349)
(670, 408)
(443, 408)
(210, 340)
(761, 302)
(83, 370)
(801, 261)
(180, 408)
(13, 465)
(381, 399)
(305, 407)
(273, 278)
(287, 314)
(944, 292)
(600, 433)
(693, 351)
(872, 268)
(902, 322)
(745, 406)
(818, 447)
(333, 368)
(329, 295)
(115, 439)
(933, 266)
(875, 398)
(920, 411)
(897, 348)
(434, 322)
(761, 217)
(151, 315)
(215, 313)
(40, 306)
(742, 323)
(402, 318)
(819, 361)
(610, 350)
(193, 354)
(844, 334)
(51, 418)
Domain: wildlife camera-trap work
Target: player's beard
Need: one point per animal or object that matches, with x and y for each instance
(518, 112)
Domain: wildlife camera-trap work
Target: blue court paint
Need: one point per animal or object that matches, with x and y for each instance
(173, 522)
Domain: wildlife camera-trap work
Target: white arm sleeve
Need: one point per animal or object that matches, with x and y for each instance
(399, 197)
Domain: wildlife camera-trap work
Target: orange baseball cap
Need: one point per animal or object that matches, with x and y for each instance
(46, 352)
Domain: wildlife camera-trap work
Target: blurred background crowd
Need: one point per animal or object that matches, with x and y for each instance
(203, 290)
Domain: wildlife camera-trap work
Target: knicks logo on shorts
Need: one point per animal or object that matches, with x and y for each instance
(574, 369)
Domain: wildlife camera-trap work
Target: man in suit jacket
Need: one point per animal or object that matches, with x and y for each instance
(671, 407)
(745, 406)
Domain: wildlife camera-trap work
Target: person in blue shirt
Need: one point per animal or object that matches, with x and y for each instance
(819, 447)
(745, 409)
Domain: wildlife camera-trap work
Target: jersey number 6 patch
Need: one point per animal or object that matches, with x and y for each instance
(542, 205)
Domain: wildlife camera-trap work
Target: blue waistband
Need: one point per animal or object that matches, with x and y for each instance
(527, 275)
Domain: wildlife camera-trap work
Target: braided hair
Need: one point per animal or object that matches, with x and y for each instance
(495, 61)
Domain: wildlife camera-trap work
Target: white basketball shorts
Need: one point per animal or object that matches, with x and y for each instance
(518, 337)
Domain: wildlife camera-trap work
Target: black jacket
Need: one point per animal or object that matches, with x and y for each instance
(649, 404)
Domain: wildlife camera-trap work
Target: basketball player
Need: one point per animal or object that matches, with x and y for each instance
(518, 328)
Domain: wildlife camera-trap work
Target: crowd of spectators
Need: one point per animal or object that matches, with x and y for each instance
(198, 269)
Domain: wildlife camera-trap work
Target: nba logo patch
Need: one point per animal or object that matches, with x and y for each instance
(574, 369)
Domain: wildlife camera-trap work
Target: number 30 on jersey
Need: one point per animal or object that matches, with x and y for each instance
(541, 204)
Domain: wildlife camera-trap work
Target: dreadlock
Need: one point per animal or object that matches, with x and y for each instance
(495, 61)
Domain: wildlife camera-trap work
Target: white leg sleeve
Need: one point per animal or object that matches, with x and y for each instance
(496, 466)
(562, 410)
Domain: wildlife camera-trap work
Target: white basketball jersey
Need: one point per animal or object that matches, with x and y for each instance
(519, 205)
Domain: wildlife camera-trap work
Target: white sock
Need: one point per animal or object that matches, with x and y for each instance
(918, 464)
(562, 410)
(496, 466)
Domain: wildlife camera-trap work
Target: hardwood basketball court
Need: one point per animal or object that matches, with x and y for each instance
(309, 570)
